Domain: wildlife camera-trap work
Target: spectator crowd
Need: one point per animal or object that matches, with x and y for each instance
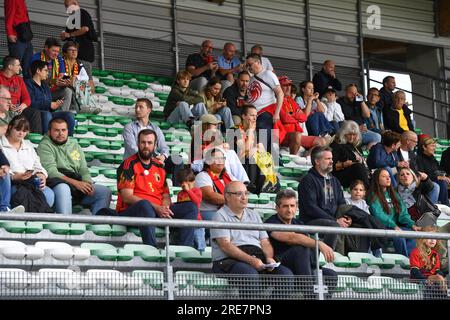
(248, 116)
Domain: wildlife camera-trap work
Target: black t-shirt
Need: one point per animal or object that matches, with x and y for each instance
(351, 110)
(198, 61)
(86, 49)
(280, 248)
(232, 95)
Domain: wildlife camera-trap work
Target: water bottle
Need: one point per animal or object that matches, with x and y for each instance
(37, 182)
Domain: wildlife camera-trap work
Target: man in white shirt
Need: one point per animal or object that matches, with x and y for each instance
(265, 93)
(257, 48)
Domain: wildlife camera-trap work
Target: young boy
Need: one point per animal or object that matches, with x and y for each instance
(186, 178)
(334, 112)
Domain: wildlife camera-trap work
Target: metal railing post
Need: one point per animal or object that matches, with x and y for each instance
(176, 48)
(308, 38)
(361, 45)
(101, 34)
(319, 288)
(170, 285)
(244, 29)
(435, 125)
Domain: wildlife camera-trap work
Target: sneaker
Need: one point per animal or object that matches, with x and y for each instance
(18, 209)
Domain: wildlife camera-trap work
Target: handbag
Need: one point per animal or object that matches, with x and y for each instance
(424, 204)
(24, 32)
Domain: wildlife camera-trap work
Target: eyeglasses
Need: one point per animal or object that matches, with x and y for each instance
(6, 99)
(240, 194)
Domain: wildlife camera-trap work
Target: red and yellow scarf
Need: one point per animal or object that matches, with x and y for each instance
(55, 67)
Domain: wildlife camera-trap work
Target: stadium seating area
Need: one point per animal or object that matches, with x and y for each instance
(42, 256)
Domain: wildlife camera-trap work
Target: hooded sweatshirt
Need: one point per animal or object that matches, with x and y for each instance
(319, 196)
(68, 156)
(17, 89)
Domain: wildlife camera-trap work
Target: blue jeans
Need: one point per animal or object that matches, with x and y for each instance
(48, 193)
(208, 214)
(225, 115)
(183, 113)
(434, 194)
(264, 122)
(143, 208)
(23, 51)
(63, 198)
(199, 239)
(47, 116)
(5, 192)
(404, 246)
(443, 192)
(317, 124)
(370, 137)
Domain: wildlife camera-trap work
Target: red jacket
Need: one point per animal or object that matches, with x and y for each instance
(17, 88)
(15, 13)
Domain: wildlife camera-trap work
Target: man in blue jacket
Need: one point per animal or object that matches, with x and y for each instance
(41, 97)
(320, 194)
(384, 155)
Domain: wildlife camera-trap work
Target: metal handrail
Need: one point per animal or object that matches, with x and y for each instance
(406, 70)
(132, 221)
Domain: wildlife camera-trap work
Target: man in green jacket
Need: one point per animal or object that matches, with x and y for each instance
(68, 174)
(183, 104)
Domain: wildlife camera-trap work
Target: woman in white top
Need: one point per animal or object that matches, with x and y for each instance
(23, 159)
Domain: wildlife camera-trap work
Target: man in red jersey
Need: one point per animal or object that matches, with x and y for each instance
(18, 32)
(143, 191)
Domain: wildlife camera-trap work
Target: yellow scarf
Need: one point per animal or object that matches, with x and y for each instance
(55, 68)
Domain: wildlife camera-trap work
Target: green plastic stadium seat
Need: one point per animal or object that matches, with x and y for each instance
(146, 252)
(177, 250)
(117, 75)
(344, 262)
(253, 198)
(399, 259)
(108, 252)
(103, 230)
(115, 145)
(81, 129)
(196, 257)
(107, 82)
(184, 278)
(159, 232)
(152, 278)
(100, 90)
(103, 73)
(140, 77)
(77, 228)
(118, 230)
(34, 226)
(110, 158)
(210, 282)
(14, 226)
(93, 171)
(84, 143)
(109, 120)
(58, 227)
(370, 260)
(401, 287)
(34, 137)
(165, 80)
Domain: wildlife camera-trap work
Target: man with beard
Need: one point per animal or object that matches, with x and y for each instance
(320, 194)
(68, 173)
(143, 191)
(236, 96)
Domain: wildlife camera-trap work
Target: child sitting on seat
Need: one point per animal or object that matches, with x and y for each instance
(358, 195)
(186, 178)
(425, 265)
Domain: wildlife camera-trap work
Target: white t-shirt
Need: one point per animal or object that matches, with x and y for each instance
(333, 111)
(259, 94)
(204, 180)
(266, 64)
(405, 154)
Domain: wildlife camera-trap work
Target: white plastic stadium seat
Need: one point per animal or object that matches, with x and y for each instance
(63, 251)
(111, 279)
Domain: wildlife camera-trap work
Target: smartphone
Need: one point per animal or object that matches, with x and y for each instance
(66, 77)
(359, 98)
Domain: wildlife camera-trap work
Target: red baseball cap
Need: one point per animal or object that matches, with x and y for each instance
(284, 80)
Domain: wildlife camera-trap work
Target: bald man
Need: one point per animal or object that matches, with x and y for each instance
(326, 78)
(229, 65)
(241, 251)
(202, 66)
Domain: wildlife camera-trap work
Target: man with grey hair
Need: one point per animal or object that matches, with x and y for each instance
(246, 252)
(406, 152)
(5, 113)
(321, 194)
(257, 48)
